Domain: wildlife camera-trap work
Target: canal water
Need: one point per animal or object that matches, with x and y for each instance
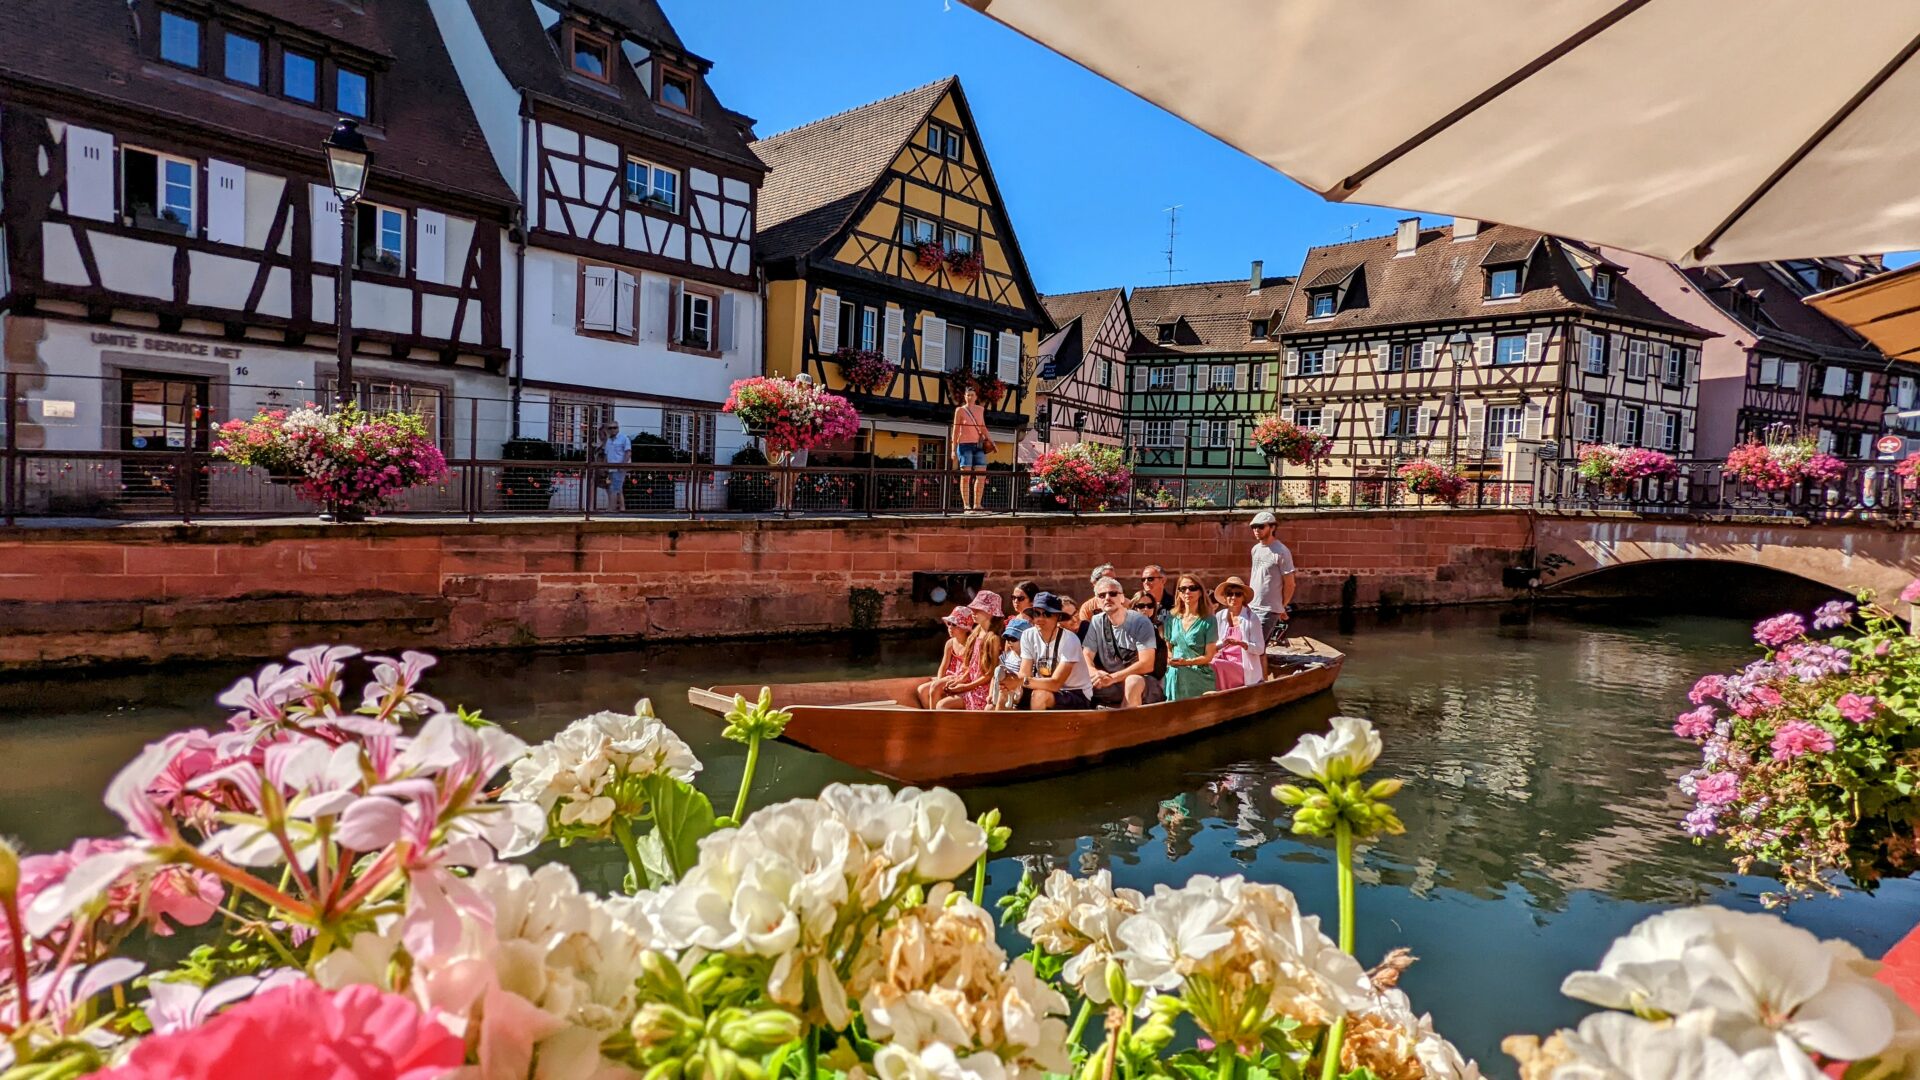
(1541, 814)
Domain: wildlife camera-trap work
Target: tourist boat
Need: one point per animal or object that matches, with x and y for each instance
(878, 725)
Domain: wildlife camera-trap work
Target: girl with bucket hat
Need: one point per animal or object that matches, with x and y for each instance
(963, 677)
(1242, 659)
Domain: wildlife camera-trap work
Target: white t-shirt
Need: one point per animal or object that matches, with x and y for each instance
(1064, 649)
(1250, 634)
(1271, 565)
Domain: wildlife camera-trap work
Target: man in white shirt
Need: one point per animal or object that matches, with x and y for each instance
(1272, 578)
(619, 450)
(1053, 664)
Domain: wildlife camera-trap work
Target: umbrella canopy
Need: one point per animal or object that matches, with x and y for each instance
(1884, 309)
(1692, 130)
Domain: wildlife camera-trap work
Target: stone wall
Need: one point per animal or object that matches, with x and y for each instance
(150, 593)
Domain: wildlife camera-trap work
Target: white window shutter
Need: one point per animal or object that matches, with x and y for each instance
(1136, 432)
(1426, 421)
(89, 173)
(1609, 433)
(1432, 357)
(893, 330)
(1483, 349)
(1331, 363)
(1293, 362)
(1536, 346)
(226, 202)
(829, 321)
(1009, 358)
(1657, 359)
(1139, 379)
(596, 298)
(678, 306)
(326, 225)
(933, 343)
(1825, 442)
(430, 246)
(656, 307)
(1476, 425)
(1240, 375)
(1182, 377)
(1834, 382)
(1330, 420)
(626, 297)
(1286, 413)
(1790, 374)
(1381, 351)
(1769, 370)
(728, 314)
(1617, 351)
(1532, 419)
(1379, 422)
(1866, 385)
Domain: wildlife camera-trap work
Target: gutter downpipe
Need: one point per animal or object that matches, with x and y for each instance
(520, 275)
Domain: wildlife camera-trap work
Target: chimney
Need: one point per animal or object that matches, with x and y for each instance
(1466, 228)
(1406, 237)
(1253, 280)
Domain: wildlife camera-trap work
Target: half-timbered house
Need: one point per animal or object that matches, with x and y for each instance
(636, 298)
(1202, 369)
(1458, 342)
(883, 232)
(1081, 383)
(170, 240)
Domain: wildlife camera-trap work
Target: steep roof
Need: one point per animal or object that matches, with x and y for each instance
(1079, 316)
(427, 133)
(1787, 318)
(529, 56)
(1209, 316)
(821, 172)
(1441, 281)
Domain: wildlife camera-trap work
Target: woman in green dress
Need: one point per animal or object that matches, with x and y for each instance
(1191, 641)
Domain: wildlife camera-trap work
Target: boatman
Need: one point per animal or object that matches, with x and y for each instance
(1272, 578)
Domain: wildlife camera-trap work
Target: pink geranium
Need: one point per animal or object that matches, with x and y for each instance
(1718, 789)
(1779, 630)
(301, 1032)
(1858, 708)
(1697, 724)
(1911, 594)
(1798, 737)
(1709, 686)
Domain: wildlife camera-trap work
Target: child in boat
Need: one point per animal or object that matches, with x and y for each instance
(959, 664)
(989, 641)
(1008, 696)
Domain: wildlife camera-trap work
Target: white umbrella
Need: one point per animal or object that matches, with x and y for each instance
(1695, 130)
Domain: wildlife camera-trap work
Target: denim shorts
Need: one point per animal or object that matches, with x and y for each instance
(970, 455)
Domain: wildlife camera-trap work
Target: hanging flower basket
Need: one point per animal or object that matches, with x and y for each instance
(930, 255)
(789, 415)
(1083, 476)
(1432, 480)
(1283, 440)
(351, 462)
(1613, 469)
(1778, 464)
(865, 370)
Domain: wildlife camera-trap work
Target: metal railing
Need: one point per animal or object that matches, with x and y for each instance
(1866, 491)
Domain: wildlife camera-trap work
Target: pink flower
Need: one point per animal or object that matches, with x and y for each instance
(1718, 789)
(1858, 708)
(1911, 594)
(1697, 724)
(301, 1032)
(1709, 686)
(1797, 737)
(1779, 630)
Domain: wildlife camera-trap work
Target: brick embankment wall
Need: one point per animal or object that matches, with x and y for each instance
(150, 593)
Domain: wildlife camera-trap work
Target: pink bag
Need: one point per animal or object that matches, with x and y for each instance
(1230, 668)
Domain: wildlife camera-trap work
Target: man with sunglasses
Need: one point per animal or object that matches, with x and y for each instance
(1053, 664)
(1272, 578)
(1153, 581)
(1121, 645)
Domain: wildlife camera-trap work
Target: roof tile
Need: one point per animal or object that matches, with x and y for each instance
(1217, 315)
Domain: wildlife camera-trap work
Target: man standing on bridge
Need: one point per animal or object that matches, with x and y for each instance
(1272, 578)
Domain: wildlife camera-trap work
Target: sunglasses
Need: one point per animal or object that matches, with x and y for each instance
(1143, 607)
(1108, 595)
(1150, 577)
(1234, 592)
(1189, 588)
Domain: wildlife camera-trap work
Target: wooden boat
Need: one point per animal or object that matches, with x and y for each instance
(878, 725)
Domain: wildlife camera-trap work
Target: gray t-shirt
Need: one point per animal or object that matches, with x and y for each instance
(1272, 562)
(1064, 648)
(1114, 648)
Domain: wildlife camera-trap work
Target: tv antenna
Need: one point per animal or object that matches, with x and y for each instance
(1173, 231)
(1353, 227)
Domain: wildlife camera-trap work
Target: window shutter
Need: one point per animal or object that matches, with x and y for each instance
(1273, 377)
(1790, 374)
(1609, 433)
(430, 246)
(1136, 432)
(1426, 421)
(656, 307)
(1380, 355)
(1330, 420)
(1139, 379)
(1286, 413)
(1182, 377)
(1483, 349)
(1834, 382)
(596, 298)
(1536, 346)
(893, 329)
(626, 297)
(1240, 375)
(1432, 357)
(1825, 441)
(1476, 425)
(727, 314)
(1330, 364)
(933, 343)
(1769, 371)
(1657, 359)
(1379, 422)
(1532, 420)
(89, 173)
(226, 203)
(1617, 350)
(325, 224)
(1009, 370)
(1293, 363)
(829, 339)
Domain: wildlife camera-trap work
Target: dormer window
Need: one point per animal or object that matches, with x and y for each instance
(243, 60)
(180, 39)
(1503, 281)
(1257, 330)
(1165, 332)
(350, 93)
(1602, 285)
(1322, 304)
(591, 55)
(300, 77)
(676, 90)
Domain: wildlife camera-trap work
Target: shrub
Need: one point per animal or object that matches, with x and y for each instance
(749, 492)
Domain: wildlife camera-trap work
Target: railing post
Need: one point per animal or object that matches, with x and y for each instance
(873, 480)
(589, 483)
(11, 481)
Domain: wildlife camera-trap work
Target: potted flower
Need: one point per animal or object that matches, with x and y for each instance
(1909, 471)
(865, 370)
(261, 441)
(1083, 476)
(991, 390)
(928, 254)
(351, 462)
(1283, 440)
(1613, 469)
(1778, 463)
(1431, 479)
(790, 415)
(966, 265)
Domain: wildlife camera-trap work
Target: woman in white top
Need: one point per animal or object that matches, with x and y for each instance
(1236, 622)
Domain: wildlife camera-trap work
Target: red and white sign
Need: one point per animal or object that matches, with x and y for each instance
(1889, 444)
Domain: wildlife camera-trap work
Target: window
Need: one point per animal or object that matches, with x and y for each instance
(350, 93)
(1670, 432)
(1503, 423)
(654, 185)
(676, 90)
(157, 191)
(982, 352)
(1510, 349)
(1502, 282)
(1322, 304)
(1676, 366)
(1217, 433)
(381, 238)
(1259, 380)
(243, 59)
(376, 394)
(689, 433)
(591, 55)
(1159, 433)
(1596, 361)
(1160, 378)
(1396, 357)
(1258, 331)
(1312, 419)
(696, 320)
(953, 145)
(180, 39)
(573, 423)
(1220, 377)
(916, 230)
(936, 138)
(1103, 373)
(1402, 422)
(955, 240)
(869, 328)
(1313, 361)
(1637, 350)
(1592, 425)
(1602, 286)
(1165, 332)
(1631, 420)
(299, 76)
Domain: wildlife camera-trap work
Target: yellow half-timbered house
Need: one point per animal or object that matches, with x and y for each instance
(885, 242)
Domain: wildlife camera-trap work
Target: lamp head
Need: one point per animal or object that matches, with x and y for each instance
(348, 160)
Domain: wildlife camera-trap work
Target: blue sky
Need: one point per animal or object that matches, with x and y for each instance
(1086, 168)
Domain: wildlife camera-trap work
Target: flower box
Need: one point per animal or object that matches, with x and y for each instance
(1615, 468)
(865, 370)
(929, 255)
(965, 264)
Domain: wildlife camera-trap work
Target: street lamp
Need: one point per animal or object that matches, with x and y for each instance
(348, 161)
(1457, 347)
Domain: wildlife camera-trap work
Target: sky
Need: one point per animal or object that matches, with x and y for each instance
(1087, 170)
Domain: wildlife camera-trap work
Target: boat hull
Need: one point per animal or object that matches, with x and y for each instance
(874, 726)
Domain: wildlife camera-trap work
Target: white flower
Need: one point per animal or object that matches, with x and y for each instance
(936, 1061)
(1079, 918)
(574, 769)
(1338, 756)
(1615, 1046)
(1388, 1038)
(178, 1006)
(1175, 930)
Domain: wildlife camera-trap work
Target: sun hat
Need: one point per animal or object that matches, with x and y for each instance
(1264, 517)
(1220, 590)
(988, 604)
(1015, 628)
(1048, 603)
(961, 617)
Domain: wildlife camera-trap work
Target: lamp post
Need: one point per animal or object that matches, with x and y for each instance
(1457, 346)
(348, 161)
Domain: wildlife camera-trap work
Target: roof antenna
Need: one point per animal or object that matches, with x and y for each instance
(1355, 227)
(1173, 224)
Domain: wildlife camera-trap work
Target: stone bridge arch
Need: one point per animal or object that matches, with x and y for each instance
(1568, 547)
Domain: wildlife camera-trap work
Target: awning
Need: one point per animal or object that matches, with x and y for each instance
(1696, 131)
(1884, 309)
